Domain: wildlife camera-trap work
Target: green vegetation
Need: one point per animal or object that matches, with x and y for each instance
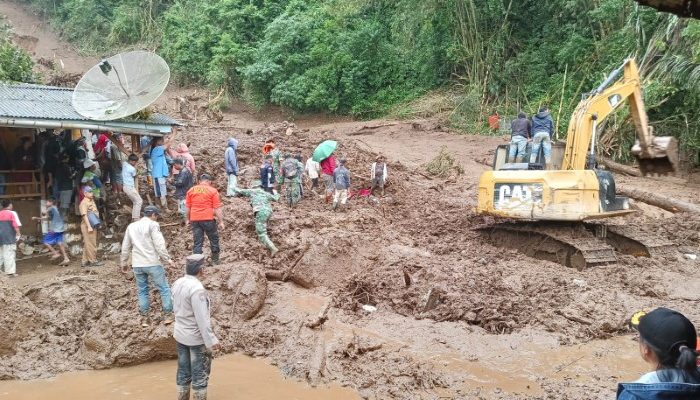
(371, 57)
(15, 64)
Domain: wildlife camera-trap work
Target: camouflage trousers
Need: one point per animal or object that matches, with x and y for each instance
(292, 192)
(261, 218)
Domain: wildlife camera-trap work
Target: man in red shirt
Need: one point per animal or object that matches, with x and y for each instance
(204, 210)
(327, 169)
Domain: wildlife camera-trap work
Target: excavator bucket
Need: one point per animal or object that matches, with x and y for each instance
(661, 157)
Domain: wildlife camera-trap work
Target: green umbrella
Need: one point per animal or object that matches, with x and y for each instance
(324, 150)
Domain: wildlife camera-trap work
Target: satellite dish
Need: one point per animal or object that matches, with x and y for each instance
(121, 85)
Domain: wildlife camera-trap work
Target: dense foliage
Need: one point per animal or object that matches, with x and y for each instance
(15, 64)
(365, 57)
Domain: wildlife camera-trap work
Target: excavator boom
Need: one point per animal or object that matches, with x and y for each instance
(656, 155)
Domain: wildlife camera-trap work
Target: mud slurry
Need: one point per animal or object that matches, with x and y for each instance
(449, 304)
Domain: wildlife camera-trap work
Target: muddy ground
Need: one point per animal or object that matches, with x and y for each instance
(456, 316)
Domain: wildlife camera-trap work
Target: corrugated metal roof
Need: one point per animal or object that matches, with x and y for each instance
(24, 100)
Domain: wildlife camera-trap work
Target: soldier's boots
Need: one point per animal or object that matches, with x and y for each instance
(270, 246)
(183, 392)
(199, 394)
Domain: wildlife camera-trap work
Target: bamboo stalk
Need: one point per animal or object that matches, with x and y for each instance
(561, 102)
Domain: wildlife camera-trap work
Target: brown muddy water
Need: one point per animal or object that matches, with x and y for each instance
(234, 376)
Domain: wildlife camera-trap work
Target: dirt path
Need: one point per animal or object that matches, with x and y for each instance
(35, 35)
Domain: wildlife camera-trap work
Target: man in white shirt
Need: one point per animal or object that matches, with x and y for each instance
(312, 170)
(129, 179)
(193, 332)
(146, 245)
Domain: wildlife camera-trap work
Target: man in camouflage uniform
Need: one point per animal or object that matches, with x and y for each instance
(260, 200)
(291, 173)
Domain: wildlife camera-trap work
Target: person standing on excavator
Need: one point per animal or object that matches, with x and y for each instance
(543, 129)
(520, 134)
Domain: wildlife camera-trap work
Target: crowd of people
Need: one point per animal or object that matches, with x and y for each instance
(187, 304)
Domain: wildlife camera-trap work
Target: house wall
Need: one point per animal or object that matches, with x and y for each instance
(25, 208)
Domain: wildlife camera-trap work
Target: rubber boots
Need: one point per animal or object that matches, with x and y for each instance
(183, 392)
(215, 258)
(200, 394)
(270, 246)
(164, 203)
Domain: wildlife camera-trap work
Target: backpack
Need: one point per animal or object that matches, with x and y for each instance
(291, 169)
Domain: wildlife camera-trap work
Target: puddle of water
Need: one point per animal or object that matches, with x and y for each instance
(234, 376)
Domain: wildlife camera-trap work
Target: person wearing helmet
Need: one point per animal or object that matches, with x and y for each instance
(260, 201)
(144, 242)
(667, 342)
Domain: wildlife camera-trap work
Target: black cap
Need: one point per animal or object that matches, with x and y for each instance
(151, 210)
(667, 330)
(205, 177)
(194, 264)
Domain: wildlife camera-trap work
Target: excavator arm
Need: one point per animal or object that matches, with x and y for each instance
(655, 154)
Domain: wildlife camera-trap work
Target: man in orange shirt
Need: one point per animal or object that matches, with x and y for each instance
(204, 210)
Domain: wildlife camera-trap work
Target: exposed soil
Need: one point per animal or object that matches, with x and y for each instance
(456, 316)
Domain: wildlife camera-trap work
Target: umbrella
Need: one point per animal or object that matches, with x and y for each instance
(324, 150)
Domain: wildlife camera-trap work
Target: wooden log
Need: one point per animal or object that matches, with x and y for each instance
(619, 168)
(298, 280)
(658, 200)
(317, 362)
(321, 317)
(289, 272)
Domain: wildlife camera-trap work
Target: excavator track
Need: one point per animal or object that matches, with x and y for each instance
(632, 241)
(569, 244)
(577, 245)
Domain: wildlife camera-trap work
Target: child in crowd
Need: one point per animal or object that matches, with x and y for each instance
(54, 237)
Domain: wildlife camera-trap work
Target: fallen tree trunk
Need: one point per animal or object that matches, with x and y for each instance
(620, 168)
(657, 200)
(682, 8)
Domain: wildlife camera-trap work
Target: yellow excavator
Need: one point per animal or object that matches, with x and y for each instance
(554, 213)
